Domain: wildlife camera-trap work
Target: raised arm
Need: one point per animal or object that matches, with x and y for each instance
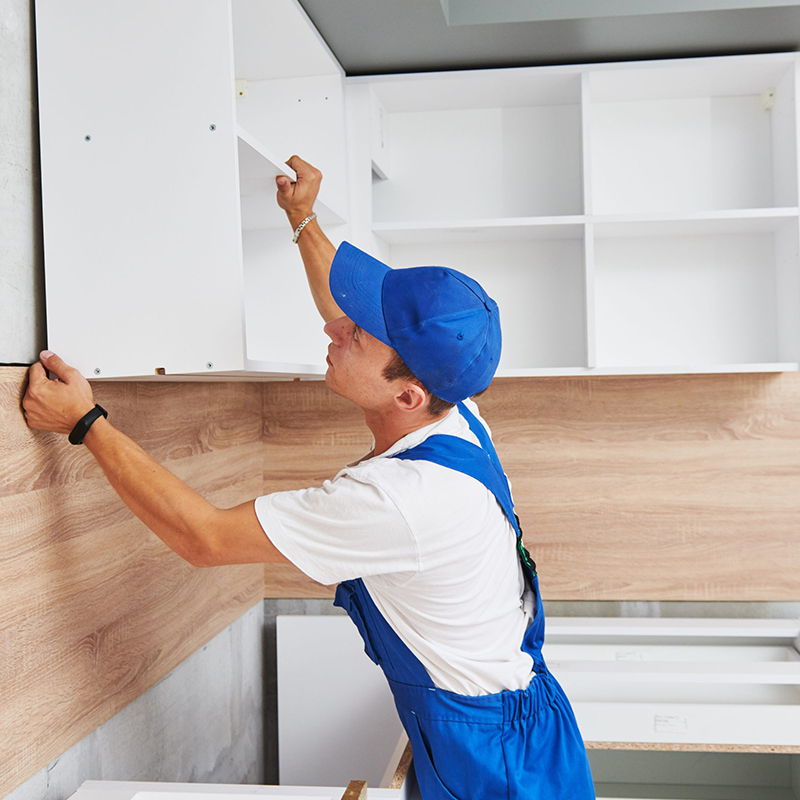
(297, 199)
(195, 529)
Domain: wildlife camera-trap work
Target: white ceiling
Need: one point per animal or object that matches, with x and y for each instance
(380, 36)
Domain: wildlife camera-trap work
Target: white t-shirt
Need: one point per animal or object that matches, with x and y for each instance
(436, 554)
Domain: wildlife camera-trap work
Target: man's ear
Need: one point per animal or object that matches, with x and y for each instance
(412, 397)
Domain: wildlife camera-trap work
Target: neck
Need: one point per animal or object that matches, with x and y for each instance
(387, 429)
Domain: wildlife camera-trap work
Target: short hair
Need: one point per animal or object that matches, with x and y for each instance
(397, 369)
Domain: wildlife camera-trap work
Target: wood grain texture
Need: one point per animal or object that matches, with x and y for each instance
(674, 487)
(94, 609)
(684, 747)
(309, 435)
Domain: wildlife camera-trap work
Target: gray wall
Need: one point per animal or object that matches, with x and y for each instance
(22, 321)
(203, 723)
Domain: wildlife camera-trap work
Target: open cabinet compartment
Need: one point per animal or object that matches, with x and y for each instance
(694, 135)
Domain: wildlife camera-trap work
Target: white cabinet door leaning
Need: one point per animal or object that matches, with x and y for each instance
(628, 218)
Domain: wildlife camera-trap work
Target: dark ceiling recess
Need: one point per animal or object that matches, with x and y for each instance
(371, 37)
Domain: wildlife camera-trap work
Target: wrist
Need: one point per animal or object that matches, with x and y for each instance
(99, 426)
(296, 217)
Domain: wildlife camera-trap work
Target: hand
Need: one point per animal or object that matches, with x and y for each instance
(56, 405)
(297, 198)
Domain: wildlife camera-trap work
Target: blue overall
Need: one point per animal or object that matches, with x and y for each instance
(512, 745)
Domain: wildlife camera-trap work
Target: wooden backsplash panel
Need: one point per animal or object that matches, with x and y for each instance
(682, 487)
(309, 435)
(94, 609)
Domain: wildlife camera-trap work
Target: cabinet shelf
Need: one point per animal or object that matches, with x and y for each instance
(258, 168)
(735, 221)
(480, 230)
(668, 369)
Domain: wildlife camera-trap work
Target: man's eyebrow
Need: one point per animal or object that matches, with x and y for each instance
(359, 329)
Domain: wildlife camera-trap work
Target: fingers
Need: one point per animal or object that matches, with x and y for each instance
(284, 185)
(57, 365)
(36, 374)
(304, 170)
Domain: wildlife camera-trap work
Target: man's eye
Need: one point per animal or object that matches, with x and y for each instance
(355, 333)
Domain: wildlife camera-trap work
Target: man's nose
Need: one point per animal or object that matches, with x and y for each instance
(336, 328)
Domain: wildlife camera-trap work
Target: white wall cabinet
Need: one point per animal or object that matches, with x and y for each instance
(628, 218)
(164, 248)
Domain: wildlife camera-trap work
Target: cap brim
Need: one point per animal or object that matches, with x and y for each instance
(356, 283)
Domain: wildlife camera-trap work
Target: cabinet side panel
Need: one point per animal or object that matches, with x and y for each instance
(142, 242)
(784, 141)
(787, 285)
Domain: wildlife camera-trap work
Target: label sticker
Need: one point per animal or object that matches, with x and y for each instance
(671, 724)
(629, 655)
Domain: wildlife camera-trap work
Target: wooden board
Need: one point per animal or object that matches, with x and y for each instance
(683, 487)
(94, 609)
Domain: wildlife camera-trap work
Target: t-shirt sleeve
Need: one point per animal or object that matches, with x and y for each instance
(348, 528)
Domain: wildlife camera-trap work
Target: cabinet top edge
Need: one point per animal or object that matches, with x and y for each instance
(787, 57)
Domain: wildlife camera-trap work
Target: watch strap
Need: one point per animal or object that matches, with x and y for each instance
(84, 423)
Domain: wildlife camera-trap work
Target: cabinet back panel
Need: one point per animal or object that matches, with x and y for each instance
(683, 487)
(686, 300)
(686, 154)
(713, 77)
(538, 285)
(499, 162)
(508, 88)
(283, 323)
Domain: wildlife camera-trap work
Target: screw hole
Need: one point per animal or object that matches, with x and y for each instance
(209, 365)
(97, 370)
(87, 138)
(212, 127)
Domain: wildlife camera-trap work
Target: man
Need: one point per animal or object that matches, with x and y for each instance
(420, 534)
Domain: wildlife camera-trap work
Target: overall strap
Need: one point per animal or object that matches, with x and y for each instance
(480, 463)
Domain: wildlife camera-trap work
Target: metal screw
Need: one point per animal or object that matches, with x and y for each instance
(212, 127)
(209, 365)
(87, 138)
(97, 370)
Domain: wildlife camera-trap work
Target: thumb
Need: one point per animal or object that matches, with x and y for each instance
(284, 184)
(56, 365)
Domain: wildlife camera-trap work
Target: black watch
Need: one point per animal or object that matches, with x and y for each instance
(84, 423)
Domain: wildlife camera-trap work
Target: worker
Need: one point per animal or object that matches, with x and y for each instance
(420, 534)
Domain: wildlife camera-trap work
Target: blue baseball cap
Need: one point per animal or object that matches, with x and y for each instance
(441, 322)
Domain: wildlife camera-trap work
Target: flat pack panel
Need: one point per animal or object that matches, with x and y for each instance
(696, 722)
(686, 300)
(142, 243)
(336, 715)
(538, 285)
